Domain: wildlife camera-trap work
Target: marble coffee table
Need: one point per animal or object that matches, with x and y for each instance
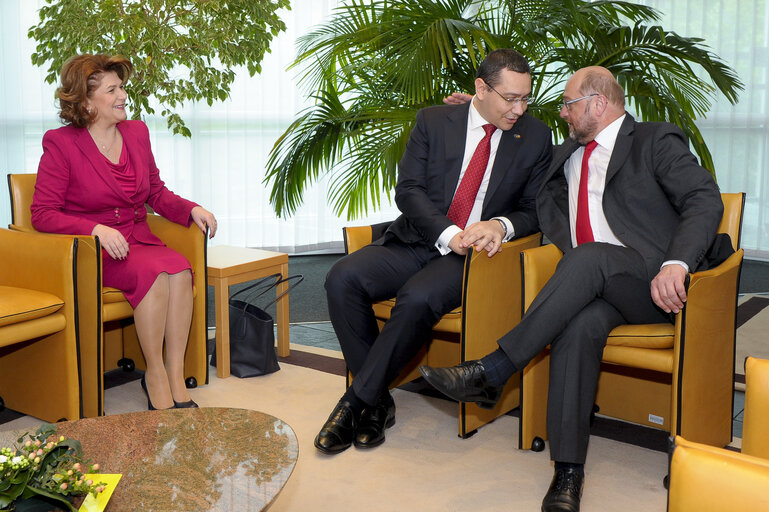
(208, 459)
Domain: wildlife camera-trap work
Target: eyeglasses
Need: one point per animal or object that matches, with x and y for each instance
(513, 101)
(567, 104)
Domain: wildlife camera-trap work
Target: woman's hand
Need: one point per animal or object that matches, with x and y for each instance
(203, 218)
(112, 241)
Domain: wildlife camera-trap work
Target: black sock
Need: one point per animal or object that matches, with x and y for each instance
(579, 468)
(499, 368)
(386, 399)
(356, 404)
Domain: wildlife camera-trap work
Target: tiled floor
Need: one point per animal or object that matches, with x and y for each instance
(321, 334)
(739, 410)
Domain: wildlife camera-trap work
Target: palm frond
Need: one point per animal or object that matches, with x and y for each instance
(376, 62)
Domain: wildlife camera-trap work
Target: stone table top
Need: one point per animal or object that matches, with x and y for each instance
(207, 459)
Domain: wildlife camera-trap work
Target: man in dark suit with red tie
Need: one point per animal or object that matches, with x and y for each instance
(468, 177)
(633, 212)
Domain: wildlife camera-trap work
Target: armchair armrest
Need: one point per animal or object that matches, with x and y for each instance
(754, 438)
(703, 356)
(187, 240)
(707, 478)
(37, 261)
(538, 266)
(492, 302)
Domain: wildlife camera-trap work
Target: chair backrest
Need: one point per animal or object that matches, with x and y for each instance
(731, 222)
(21, 188)
(356, 237)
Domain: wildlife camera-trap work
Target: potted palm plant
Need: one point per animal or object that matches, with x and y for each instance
(375, 63)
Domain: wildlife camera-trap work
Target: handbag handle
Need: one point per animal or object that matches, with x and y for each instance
(288, 288)
(278, 280)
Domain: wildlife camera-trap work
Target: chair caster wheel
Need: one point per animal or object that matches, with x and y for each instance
(595, 411)
(2, 404)
(666, 481)
(191, 382)
(537, 444)
(127, 364)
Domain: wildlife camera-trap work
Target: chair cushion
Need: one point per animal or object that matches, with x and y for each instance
(21, 304)
(111, 295)
(450, 322)
(643, 336)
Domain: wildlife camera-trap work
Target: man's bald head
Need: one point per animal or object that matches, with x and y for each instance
(597, 79)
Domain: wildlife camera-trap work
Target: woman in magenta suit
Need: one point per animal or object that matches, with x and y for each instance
(94, 178)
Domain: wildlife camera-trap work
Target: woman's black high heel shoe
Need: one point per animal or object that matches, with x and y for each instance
(185, 405)
(149, 402)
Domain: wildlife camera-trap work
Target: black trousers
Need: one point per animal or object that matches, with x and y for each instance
(595, 288)
(426, 285)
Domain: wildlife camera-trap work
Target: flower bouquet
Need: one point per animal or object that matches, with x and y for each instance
(44, 470)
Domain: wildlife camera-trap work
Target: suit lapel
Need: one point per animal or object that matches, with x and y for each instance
(621, 147)
(455, 138)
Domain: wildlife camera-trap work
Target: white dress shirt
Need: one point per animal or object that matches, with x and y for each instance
(475, 133)
(598, 164)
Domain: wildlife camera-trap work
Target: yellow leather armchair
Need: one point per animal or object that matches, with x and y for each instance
(678, 378)
(39, 349)
(713, 479)
(108, 336)
(491, 306)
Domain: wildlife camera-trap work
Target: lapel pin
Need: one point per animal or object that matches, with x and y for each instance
(517, 135)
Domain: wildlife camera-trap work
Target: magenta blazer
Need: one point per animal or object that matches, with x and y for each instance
(75, 189)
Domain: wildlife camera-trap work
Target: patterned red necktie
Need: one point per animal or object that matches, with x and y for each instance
(464, 198)
(584, 231)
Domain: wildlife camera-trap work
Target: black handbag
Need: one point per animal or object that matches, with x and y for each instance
(252, 337)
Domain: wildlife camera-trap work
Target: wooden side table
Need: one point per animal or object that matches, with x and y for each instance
(229, 265)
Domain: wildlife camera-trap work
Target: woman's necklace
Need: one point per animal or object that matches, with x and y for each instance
(106, 149)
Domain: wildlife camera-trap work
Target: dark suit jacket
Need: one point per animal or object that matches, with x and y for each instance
(430, 167)
(658, 200)
(75, 188)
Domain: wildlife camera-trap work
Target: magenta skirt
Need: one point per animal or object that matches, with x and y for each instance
(136, 274)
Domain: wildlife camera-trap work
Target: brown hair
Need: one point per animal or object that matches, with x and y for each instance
(80, 76)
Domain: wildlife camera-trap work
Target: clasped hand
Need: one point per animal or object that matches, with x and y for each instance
(485, 235)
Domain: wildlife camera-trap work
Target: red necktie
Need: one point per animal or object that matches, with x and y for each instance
(584, 231)
(464, 198)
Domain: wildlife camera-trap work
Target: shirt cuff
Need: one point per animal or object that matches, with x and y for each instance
(443, 241)
(510, 230)
(675, 262)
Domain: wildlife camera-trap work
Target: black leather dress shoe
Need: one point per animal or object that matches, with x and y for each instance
(338, 432)
(373, 422)
(465, 382)
(565, 491)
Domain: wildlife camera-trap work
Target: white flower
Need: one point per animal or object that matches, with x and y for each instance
(16, 460)
(3, 459)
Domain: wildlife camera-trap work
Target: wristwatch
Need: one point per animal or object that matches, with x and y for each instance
(504, 227)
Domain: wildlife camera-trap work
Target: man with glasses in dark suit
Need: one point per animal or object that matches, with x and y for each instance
(468, 177)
